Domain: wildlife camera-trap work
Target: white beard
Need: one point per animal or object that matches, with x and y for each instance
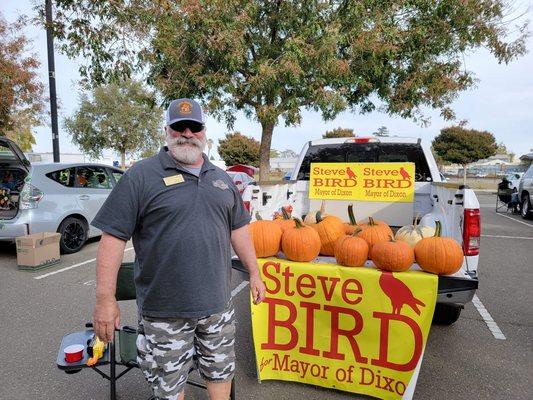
(186, 151)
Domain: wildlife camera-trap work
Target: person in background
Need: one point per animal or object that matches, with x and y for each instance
(183, 214)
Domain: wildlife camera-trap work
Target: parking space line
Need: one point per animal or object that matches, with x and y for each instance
(493, 327)
(241, 286)
(514, 219)
(508, 237)
(71, 267)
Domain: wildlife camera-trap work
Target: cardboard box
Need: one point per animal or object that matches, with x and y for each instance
(37, 251)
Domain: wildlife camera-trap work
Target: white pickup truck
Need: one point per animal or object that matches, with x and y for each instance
(455, 206)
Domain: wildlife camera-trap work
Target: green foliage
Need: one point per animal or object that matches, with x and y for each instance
(272, 59)
(21, 92)
(274, 153)
(338, 133)
(119, 116)
(458, 145)
(381, 132)
(501, 148)
(236, 148)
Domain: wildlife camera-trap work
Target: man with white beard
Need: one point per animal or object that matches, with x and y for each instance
(182, 213)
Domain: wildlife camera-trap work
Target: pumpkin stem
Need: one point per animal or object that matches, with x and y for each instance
(351, 215)
(257, 216)
(357, 230)
(417, 220)
(323, 207)
(285, 213)
(299, 223)
(438, 229)
(319, 216)
(371, 221)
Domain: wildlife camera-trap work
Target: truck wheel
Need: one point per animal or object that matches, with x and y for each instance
(73, 235)
(446, 314)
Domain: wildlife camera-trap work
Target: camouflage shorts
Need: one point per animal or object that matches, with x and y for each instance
(166, 348)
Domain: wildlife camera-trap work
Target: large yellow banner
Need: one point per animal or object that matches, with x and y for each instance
(359, 330)
(390, 182)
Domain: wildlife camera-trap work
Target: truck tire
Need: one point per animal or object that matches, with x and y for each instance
(446, 314)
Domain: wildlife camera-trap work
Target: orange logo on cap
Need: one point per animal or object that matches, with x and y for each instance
(185, 107)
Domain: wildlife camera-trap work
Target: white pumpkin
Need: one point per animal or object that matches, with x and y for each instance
(412, 234)
(310, 218)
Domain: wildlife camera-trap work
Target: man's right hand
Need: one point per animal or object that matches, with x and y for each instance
(106, 317)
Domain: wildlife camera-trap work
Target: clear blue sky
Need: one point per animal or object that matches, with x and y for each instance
(502, 102)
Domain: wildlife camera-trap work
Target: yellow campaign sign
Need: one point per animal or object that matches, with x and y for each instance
(359, 330)
(390, 182)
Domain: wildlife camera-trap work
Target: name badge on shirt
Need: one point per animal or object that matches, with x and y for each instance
(173, 180)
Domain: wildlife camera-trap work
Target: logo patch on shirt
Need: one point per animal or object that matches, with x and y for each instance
(219, 183)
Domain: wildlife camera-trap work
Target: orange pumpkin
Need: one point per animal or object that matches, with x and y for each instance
(350, 227)
(285, 222)
(329, 229)
(300, 243)
(439, 255)
(266, 236)
(395, 256)
(351, 250)
(375, 232)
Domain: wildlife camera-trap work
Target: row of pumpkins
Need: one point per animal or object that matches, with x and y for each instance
(353, 243)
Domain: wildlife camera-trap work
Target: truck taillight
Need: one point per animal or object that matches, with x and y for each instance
(471, 232)
(30, 197)
(359, 140)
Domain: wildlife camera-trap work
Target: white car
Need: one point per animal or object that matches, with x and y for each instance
(51, 197)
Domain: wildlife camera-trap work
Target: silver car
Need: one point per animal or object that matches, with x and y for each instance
(525, 192)
(51, 197)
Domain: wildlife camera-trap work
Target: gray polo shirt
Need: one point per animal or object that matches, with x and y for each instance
(181, 228)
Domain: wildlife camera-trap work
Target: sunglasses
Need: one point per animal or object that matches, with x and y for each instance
(193, 126)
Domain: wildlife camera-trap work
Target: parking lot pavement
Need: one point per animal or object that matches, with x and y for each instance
(463, 361)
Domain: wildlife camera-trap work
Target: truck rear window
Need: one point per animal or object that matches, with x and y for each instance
(367, 152)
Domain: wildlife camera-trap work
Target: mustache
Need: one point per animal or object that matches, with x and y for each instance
(181, 140)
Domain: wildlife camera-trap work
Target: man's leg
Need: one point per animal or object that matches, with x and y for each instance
(215, 339)
(218, 390)
(168, 344)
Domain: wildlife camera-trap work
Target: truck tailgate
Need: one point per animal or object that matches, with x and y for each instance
(458, 288)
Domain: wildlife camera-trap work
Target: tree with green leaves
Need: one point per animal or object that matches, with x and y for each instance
(236, 148)
(381, 132)
(121, 116)
(274, 153)
(272, 59)
(462, 146)
(22, 98)
(339, 133)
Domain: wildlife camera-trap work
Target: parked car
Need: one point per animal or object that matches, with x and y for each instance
(525, 190)
(51, 197)
(241, 179)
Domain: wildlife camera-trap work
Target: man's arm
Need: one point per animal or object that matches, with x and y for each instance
(244, 248)
(106, 315)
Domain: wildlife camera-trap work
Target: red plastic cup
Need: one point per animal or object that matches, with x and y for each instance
(74, 353)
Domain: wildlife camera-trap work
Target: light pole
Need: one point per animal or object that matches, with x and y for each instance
(52, 79)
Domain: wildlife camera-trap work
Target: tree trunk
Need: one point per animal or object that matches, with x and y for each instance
(464, 174)
(264, 150)
(123, 159)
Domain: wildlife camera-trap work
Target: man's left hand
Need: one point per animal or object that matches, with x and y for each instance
(257, 288)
